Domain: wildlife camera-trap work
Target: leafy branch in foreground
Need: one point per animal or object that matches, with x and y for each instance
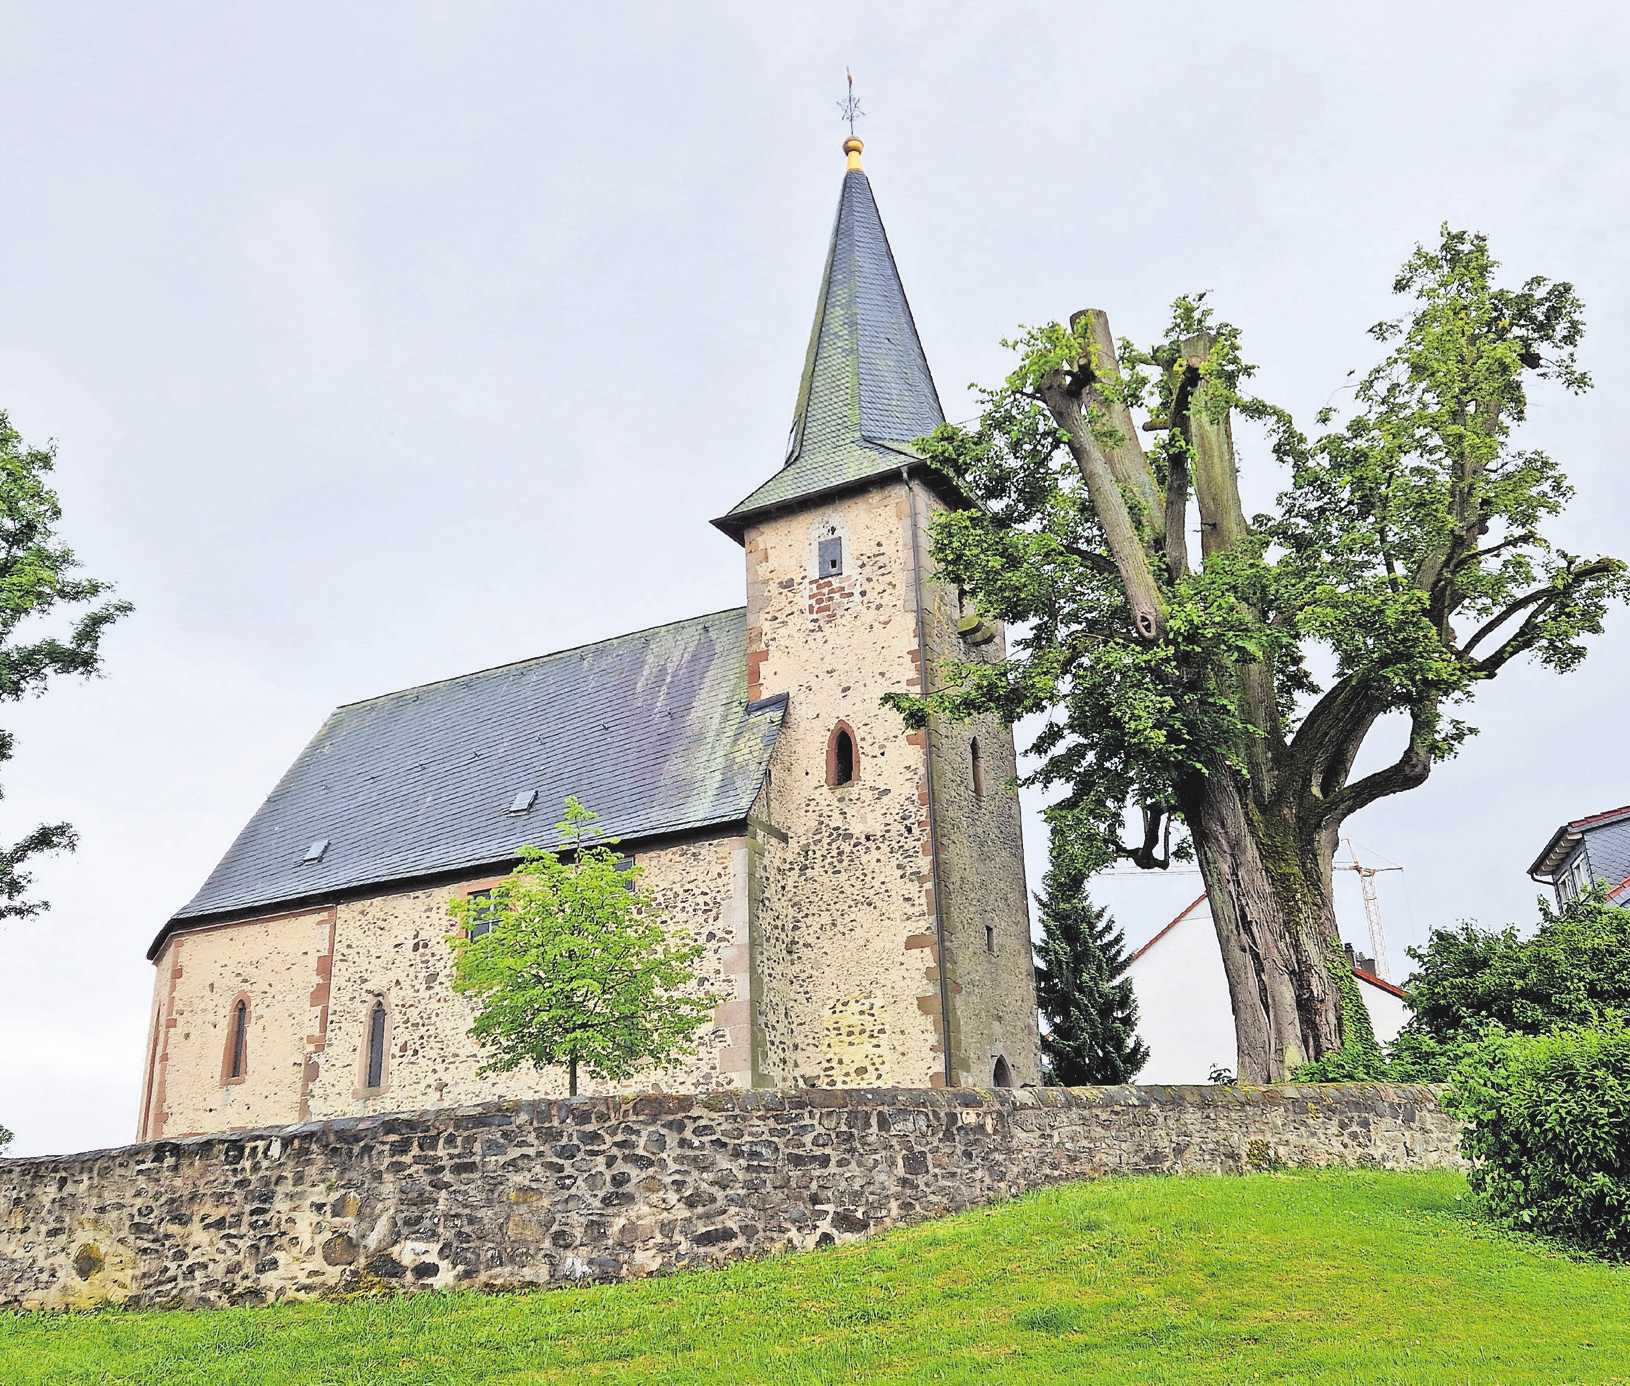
(570, 965)
(1408, 550)
(37, 576)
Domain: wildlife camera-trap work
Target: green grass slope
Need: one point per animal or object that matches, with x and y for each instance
(1332, 1277)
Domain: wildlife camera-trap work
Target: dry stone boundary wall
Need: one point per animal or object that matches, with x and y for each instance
(609, 1188)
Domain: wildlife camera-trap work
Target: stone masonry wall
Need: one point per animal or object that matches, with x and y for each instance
(843, 927)
(311, 980)
(846, 965)
(988, 951)
(608, 1188)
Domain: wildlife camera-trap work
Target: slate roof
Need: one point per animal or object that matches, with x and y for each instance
(1569, 835)
(651, 730)
(866, 391)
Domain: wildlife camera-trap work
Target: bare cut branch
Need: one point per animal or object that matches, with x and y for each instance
(1216, 479)
(1156, 822)
(1127, 462)
(1131, 560)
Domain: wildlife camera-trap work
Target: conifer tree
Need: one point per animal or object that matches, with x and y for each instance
(1080, 988)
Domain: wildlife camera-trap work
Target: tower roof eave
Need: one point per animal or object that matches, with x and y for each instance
(755, 509)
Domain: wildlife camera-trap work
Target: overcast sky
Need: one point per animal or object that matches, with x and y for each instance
(386, 342)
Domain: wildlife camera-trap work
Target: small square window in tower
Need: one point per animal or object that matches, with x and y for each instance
(830, 557)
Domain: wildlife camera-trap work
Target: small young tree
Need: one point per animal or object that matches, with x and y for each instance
(37, 577)
(1408, 552)
(1091, 1013)
(570, 965)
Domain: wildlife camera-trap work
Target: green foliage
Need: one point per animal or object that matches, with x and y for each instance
(1574, 970)
(37, 577)
(1339, 1276)
(576, 967)
(1091, 1013)
(1408, 545)
(1359, 1060)
(1548, 1129)
(6, 1139)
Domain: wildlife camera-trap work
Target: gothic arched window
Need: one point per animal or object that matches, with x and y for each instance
(376, 1046)
(841, 758)
(1003, 1075)
(239, 1063)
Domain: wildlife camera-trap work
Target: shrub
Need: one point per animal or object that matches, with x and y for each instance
(1574, 968)
(1548, 1129)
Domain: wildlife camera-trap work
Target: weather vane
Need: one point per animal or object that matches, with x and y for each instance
(850, 107)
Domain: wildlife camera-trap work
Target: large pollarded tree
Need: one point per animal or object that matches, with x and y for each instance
(1409, 546)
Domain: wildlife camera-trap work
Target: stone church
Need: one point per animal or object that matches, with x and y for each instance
(859, 891)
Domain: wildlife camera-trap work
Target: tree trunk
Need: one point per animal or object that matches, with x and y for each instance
(1269, 890)
(571, 1073)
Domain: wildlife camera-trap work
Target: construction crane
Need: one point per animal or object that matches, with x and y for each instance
(1372, 906)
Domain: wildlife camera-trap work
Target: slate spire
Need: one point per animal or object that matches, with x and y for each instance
(866, 390)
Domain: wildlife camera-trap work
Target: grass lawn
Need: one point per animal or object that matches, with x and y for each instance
(1341, 1276)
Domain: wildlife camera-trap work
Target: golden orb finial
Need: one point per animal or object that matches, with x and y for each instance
(852, 148)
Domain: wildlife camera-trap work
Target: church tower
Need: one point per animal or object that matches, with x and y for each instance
(890, 929)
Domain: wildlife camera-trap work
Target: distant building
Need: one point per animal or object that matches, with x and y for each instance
(1586, 850)
(1184, 1014)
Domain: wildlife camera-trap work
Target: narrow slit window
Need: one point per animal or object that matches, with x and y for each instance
(376, 1045)
(990, 938)
(843, 757)
(978, 764)
(830, 557)
(240, 1039)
